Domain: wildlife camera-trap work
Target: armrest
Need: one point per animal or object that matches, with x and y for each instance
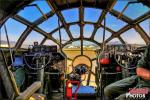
(29, 91)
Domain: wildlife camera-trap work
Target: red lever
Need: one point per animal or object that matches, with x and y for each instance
(69, 89)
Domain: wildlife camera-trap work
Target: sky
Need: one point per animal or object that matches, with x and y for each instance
(15, 29)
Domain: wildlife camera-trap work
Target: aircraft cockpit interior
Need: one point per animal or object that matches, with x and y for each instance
(74, 49)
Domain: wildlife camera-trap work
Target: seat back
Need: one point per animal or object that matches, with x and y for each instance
(5, 75)
(13, 82)
(10, 83)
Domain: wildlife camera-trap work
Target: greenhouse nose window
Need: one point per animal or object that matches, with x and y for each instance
(74, 49)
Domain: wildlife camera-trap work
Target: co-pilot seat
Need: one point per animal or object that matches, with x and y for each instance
(18, 70)
(28, 94)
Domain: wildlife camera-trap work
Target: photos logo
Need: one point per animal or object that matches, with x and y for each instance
(139, 93)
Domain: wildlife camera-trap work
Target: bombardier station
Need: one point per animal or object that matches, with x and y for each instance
(74, 49)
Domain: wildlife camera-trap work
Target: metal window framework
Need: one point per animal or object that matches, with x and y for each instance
(115, 34)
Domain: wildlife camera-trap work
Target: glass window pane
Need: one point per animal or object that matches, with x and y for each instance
(50, 24)
(43, 5)
(14, 30)
(136, 10)
(88, 30)
(99, 35)
(50, 42)
(132, 37)
(146, 26)
(75, 30)
(114, 41)
(71, 15)
(133, 11)
(64, 35)
(3, 38)
(91, 14)
(31, 38)
(30, 13)
(113, 23)
(120, 4)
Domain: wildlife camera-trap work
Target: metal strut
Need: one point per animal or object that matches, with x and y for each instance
(8, 42)
(104, 32)
(100, 71)
(0, 38)
(60, 37)
(132, 2)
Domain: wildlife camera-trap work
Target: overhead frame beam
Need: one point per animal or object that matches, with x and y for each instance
(112, 11)
(124, 29)
(117, 34)
(109, 7)
(98, 23)
(110, 38)
(104, 12)
(123, 18)
(60, 16)
(142, 33)
(142, 18)
(43, 41)
(81, 20)
(108, 29)
(129, 20)
(42, 19)
(32, 26)
(131, 24)
(22, 38)
(7, 14)
(73, 23)
(121, 40)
